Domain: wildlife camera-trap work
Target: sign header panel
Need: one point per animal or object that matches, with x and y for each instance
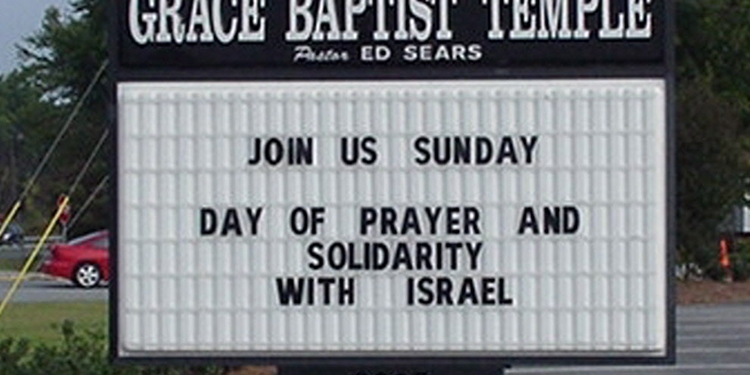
(329, 34)
(494, 219)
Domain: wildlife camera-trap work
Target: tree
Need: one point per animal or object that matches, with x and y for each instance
(710, 171)
(713, 121)
(59, 63)
(24, 120)
(713, 46)
(63, 56)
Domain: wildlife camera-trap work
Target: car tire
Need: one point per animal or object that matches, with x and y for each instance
(87, 275)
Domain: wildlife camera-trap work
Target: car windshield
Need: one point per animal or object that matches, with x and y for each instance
(86, 238)
(14, 229)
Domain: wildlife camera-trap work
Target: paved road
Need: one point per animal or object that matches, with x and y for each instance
(710, 340)
(51, 291)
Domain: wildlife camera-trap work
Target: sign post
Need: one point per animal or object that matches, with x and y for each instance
(64, 214)
(408, 183)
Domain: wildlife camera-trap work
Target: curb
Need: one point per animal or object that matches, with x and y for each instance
(11, 276)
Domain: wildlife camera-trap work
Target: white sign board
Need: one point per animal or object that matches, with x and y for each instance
(406, 218)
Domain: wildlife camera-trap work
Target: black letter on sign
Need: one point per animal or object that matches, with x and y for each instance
(291, 290)
(572, 219)
(554, 220)
(208, 221)
(254, 216)
(351, 155)
(420, 146)
(231, 223)
(528, 221)
(304, 221)
(367, 218)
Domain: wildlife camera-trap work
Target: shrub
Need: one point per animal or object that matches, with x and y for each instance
(80, 353)
(740, 260)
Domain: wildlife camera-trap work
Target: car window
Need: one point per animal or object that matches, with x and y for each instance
(102, 243)
(14, 229)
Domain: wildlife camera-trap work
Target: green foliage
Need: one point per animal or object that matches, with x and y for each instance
(740, 260)
(713, 124)
(40, 321)
(710, 170)
(79, 353)
(713, 41)
(24, 131)
(59, 62)
(13, 353)
(63, 56)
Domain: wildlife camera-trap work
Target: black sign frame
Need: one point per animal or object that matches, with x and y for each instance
(175, 40)
(532, 62)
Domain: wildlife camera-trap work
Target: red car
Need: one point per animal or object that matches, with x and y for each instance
(84, 260)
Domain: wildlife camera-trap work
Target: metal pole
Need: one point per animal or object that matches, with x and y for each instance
(30, 260)
(51, 149)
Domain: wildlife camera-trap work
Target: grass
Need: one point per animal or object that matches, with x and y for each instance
(42, 321)
(17, 264)
(13, 259)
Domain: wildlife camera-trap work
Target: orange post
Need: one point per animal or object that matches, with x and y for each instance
(724, 258)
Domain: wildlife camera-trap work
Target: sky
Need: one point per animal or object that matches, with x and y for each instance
(19, 19)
